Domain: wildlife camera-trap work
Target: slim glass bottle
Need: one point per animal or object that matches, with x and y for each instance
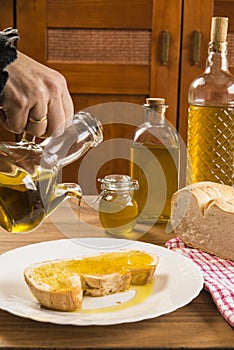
(155, 162)
(211, 115)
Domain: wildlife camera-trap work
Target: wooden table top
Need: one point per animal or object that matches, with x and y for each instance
(196, 325)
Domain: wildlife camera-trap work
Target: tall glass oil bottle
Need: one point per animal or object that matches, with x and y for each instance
(211, 115)
(155, 163)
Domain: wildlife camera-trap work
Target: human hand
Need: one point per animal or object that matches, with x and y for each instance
(35, 99)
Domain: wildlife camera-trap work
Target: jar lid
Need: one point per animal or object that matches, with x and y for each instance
(118, 182)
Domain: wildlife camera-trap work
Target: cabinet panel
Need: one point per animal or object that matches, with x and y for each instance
(197, 18)
(226, 9)
(6, 20)
(7, 14)
(105, 79)
(99, 14)
(165, 53)
(31, 23)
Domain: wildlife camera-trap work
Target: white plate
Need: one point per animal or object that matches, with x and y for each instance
(176, 282)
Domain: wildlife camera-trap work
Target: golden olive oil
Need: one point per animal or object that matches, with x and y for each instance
(142, 293)
(118, 210)
(106, 263)
(155, 168)
(23, 200)
(117, 215)
(211, 144)
(56, 274)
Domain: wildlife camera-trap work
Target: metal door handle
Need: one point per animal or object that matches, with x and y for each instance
(165, 47)
(196, 47)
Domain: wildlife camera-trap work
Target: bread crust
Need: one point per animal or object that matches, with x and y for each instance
(202, 216)
(78, 284)
(68, 300)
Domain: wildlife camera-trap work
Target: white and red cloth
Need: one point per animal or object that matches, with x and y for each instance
(218, 276)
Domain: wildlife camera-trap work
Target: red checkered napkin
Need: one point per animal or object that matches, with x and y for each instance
(218, 276)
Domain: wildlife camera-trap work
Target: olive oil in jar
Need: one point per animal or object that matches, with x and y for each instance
(211, 144)
(118, 211)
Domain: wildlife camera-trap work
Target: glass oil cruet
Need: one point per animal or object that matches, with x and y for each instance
(28, 173)
(155, 157)
(211, 114)
(118, 210)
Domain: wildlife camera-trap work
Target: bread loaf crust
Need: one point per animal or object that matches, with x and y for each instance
(202, 216)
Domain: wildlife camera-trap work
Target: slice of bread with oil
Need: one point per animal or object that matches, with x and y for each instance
(61, 284)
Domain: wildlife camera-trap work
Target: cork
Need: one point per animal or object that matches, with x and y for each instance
(155, 101)
(219, 28)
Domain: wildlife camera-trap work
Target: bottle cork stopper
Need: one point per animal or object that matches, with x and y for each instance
(155, 101)
(219, 28)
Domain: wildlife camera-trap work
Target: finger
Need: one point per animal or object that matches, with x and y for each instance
(37, 127)
(37, 120)
(55, 118)
(13, 119)
(68, 107)
(15, 108)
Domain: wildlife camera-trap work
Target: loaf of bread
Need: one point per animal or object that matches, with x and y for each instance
(61, 284)
(202, 216)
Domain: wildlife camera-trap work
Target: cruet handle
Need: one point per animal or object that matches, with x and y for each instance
(28, 137)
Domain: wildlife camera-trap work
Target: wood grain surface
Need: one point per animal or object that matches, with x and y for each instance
(197, 325)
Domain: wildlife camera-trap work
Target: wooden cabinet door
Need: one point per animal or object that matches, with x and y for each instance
(108, 50)
(225, 8)
(197, 20)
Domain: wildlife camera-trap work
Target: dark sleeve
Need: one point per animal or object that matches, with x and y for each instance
(8, 53)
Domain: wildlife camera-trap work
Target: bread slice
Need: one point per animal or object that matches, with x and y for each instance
(61, 284)
(202, 216)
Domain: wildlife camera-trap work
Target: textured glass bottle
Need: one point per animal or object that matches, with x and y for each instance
(155, 162)
(211, 115)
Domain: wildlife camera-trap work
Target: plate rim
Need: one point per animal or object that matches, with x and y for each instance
(199, 287)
